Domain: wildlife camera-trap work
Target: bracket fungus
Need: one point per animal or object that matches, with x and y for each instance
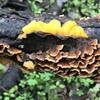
(83, 59)
(6, 49)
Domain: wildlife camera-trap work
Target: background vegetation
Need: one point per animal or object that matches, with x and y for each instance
(71, 8)
(43, 85)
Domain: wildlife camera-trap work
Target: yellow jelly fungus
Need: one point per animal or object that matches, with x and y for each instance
(53, 26)
(29, 28)
(79, 32)
(40, 26)
(69, 28)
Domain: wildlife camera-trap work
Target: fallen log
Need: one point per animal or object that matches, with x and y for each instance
(71, 56)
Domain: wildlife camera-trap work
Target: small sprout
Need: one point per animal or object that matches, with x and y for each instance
(32, 82)
(53, 87)
(41, 93)
(6, 98)
(79, 92)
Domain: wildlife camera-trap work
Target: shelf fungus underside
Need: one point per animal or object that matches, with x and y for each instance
(65, 57)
